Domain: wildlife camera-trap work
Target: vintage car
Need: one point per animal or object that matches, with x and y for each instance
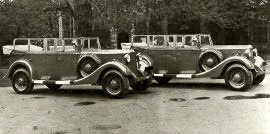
(64, 61)
(195, 56)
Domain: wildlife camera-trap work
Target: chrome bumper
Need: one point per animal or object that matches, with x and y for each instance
(259, 65)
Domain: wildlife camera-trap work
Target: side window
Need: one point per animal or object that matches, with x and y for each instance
(205, 40)
(69, 45)
(60, 45)
(179, 41)
(93, 43)
(140, 39)
(188, 41)
(21, 45)
(86, 44)
(36, 45)
(158, 41)
(170, 41)
(50, 45)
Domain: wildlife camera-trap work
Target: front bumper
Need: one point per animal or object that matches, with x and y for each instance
(259, 65)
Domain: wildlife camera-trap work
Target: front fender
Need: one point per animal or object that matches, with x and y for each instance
(17, 64)
(91, 56)
(148, 59)
(216, 52)
(95, 76)
(217, 70)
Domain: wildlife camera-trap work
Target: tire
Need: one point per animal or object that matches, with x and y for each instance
(142, 85)
(21, 82)
(257, 80)
(86, 67)
(115, 84)
(208, 61)
(238, 77)
(163, 80)
(53, 87)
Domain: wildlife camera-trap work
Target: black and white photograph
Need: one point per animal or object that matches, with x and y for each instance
(134, 66)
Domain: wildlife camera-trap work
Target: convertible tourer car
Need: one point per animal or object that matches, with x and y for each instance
(195, 56)
(64, 61)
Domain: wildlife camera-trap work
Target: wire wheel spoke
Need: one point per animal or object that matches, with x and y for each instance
(21, 82)
(114, 85)
(237, 77)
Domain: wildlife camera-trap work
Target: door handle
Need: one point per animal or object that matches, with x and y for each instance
(59, 59)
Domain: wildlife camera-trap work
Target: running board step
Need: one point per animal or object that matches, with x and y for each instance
(181, 76)
(65, 82)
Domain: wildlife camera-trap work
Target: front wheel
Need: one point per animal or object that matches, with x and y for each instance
(238, 77)
(257, 80)
(142, 85)
(115, 84)
(21, 82)
(163, 80)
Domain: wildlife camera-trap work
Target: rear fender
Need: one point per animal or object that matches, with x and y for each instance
(94, 77)
(19, 64)
(220, 68)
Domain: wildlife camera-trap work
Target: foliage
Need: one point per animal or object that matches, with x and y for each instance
(31, 18)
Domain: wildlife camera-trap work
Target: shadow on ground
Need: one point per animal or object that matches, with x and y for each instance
(192, 85)
(73, 92)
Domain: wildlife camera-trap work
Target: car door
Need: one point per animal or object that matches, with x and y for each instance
(189, 56)
(172, 55)
(35, 56)
(67, 59)
(52, 67)
(157, 51)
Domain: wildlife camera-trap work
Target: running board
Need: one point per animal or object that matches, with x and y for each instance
(180, 76)
(65, 82)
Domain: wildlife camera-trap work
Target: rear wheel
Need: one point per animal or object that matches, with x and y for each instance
(21, 82)
(53, 87)
(257, 80)
(238, 77)
(163, 80)
(115, 84)
(87, 67)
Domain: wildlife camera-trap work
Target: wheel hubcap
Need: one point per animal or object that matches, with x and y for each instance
(210, 62)
(88, 67)
(20, 83)
(113, 84)
(237, 77)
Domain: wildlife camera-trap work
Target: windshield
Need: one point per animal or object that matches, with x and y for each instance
(206, 40)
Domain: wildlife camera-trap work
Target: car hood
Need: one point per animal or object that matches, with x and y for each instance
(218, 47)
(108, 51)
